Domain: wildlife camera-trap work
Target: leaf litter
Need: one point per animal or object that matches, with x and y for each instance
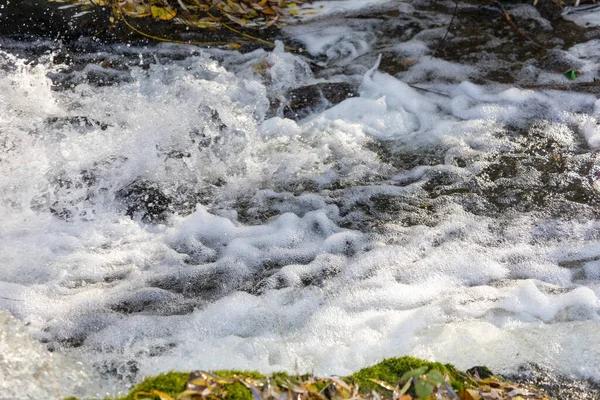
(203, 13)
(415, 384)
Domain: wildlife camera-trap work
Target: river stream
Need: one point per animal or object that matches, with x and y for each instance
(177, 207)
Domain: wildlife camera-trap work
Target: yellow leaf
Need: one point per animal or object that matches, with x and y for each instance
(163, 13)
(470, 394)
(141, 11)
(383, 384)
(191, 394)
(220, 380)
(204, 24)
(161, 395)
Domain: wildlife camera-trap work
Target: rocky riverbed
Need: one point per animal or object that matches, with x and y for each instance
(421, 178)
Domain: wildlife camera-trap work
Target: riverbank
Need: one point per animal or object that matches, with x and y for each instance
(403, 378)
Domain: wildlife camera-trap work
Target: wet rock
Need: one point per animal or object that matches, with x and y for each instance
(104, 75)
(81, 124)
(527, 182)
(153, 301)
(559, 61)
(557, 386)
(197, 252)
(145, 200)
(73, 334)
(482, 371)
(207, 282)
(309, 99)
(123, 370)
(34, 17)
(407, 210)
(315, 275)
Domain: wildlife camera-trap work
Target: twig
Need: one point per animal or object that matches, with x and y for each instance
(514, 26)
(443, 41)
(161, 39)
(7, 298)
(573, 86)
(246, 35)
(427, 90)
(188, 42)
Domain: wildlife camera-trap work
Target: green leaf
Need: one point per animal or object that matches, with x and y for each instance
(405, 387)
(571, 74)
(413, 373)
(435, 376)
(423, 389)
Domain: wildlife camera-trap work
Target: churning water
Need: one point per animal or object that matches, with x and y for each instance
(159, 213)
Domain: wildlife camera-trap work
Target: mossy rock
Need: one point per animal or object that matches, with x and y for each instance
(391, 370)
(171, 383)
(230, 373)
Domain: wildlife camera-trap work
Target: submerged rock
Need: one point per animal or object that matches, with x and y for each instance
(314, 98)
(557, 386)
(145, 200)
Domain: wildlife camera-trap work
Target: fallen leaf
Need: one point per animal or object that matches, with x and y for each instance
(163, 13)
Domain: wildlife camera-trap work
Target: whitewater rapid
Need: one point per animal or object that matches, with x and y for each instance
(166, 216)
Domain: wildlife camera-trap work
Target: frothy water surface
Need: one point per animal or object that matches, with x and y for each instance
(165, 216)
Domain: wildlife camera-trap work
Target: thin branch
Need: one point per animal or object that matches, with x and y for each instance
(427, 90)
(7, 298)
(572, 87)
(514, 26)
(443, 41)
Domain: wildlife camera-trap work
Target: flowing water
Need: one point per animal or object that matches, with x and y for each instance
(159, 212)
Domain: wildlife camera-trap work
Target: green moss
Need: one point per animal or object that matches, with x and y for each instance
(483, 372)
(282, 377)
(320, 386)
(171, 383)
(391, 369)
(229, 373)
(237, 391)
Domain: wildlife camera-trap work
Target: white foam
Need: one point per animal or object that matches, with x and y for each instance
(264, 274)
(28, 371)
(551, 346)
(587, 50)
(319, 9)
(587, 15)
(340, 44)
